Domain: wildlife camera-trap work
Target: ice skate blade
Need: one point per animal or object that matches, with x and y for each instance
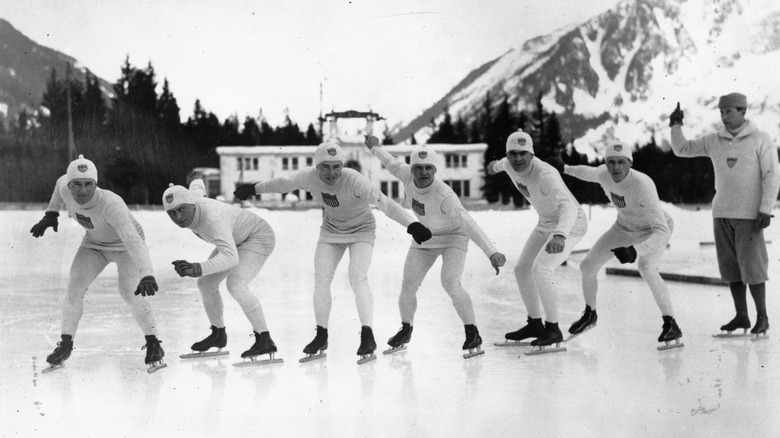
(759, 336)
(51, 368)
(156, 366)
(671, 346)
(589, 328)
(732, 335)
(204, 354)
(473, 352)
(392, 350)
(509, 343)
(541, 349)
(251, 361)
(311, 357)
(366, 358)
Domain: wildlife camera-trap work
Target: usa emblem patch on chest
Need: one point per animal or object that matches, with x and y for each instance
(619, 201)
(330, 200)
(731, 162)
(523, 190)
(418, 207)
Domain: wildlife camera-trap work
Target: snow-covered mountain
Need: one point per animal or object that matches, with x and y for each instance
(25, 68)
(619, 74)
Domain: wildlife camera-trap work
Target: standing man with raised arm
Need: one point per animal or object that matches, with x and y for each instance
(346, 197)
(112, 236)
(562, 224)
(746, 185)
(640, 233)
(438, 208)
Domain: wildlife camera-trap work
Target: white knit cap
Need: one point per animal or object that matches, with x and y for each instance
(175, 196)
(423, 155)
(617, 148)
(82, 168)
(519, 141)
(328, 151)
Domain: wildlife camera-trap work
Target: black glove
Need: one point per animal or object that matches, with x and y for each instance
(187, 269)
(625, 254)
(557, 163)
(419, 232)
(676, 117)
(244, 192)
(49, 220)
(146, 287)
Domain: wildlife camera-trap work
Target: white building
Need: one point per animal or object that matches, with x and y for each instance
(460, 166)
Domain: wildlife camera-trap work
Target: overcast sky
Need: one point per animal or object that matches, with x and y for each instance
(238, 56)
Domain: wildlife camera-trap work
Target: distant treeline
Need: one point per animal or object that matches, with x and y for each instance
(678, 180)
(140, 145)
(136, 139)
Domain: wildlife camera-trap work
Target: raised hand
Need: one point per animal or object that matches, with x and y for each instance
(371, 141)
(676, 117)
(192, 176)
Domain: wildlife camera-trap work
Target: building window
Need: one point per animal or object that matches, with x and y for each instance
(383, 187)
(295, 163)
(455, 184)
(449, 161)
(247, 164)
(455, 160)
(408, 159)
(285, 163)
(239, 163)
(394, 189)
(255, 163)
(309, 161)
(466, 188)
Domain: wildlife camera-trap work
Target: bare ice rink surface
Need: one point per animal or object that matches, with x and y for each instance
(611, 382)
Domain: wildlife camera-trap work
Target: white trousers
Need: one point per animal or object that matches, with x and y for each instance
(87, 265)
(326, 258)
(418, 263)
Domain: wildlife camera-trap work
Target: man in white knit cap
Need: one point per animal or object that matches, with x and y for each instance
(640, 233)
(112, 236)
(746, 185)
(562, 223)
(438, 208)
(346, 197)
(243, 242)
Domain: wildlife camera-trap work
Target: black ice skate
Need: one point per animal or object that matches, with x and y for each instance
(263, 345)
(585, 323)
(473, 342)
(552, 335)
(761, 327)
(316, 348)
(533, 329)
(60, 354)
(367, 345)
(670, 333)
(740, 321)
(154, 354)
(217, 338)
(399, 340)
